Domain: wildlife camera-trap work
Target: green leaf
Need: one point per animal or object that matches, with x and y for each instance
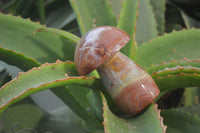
(43, 46)
(175, 71)
(61, 33)
(116, 6)
(180, 80)
(37, 79)
(159, 12)
(148, 121)
(91, 13)
(61, 120)
(75, 98)
(185, 63)
(189, 21)
(191, 96)
(173, 46)
(176, 74)
(95, 101)
(127, 22)
(193, 110)
(41, 10)
(21, 118)
(17, 59)
(178, 121)
(66, 16)
(146, 23)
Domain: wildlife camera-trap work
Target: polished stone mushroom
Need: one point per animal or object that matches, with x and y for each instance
(131, 87)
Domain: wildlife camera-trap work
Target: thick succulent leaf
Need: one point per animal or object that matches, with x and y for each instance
(180, 80)
(148, 121)
(41, 10)
(175, 71)
(21, 118)
(116, 6)
(173, 46)
(91, 13)
(127, 22)
(34, 54)
(61, 33)
(65, 13)
(178, 121)
(176, 74)
(159, 12)
(44, 77)
(95, 101)
(17, 59)
(43, 46)
(189, 21)
(61, 120)
(186, 63)
(195, 109)
(75, 98)
(50, 76)
(191, 96)
(146, 23)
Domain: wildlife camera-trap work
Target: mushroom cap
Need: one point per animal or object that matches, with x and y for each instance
(97, 46)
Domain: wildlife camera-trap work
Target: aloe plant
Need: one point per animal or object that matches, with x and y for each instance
(44, 55)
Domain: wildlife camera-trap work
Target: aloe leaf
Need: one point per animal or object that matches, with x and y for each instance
(189, 21)
(61, 120)
(187, 63)
(159, 12)
(180, 80)
(21, 118)
(50, 76)
(191, 96)
(178, 121)
(175, 71)
(43, 46)
(44, 77)
(61, 33)
(176, 74)
(179, 71)
(173, 46)
(95, 101)
(146, 23)
(147, 122)
(66, 16)
(195, 109)
(17, 59)
(127, 22)
(116, 7)
(78, 103)
(91, 13)
(33, 53)
(41, 11)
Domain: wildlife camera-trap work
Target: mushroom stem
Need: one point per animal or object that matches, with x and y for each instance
(131, 87)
